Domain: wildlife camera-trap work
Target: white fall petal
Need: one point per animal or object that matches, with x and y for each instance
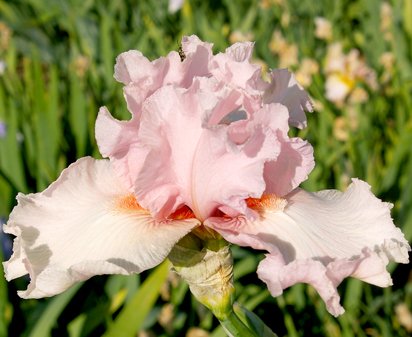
(85, 224)
(321, 238)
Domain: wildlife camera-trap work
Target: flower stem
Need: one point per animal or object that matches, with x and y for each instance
(234, 327)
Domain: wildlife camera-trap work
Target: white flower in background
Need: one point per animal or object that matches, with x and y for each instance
(175, 5)
(338, 88)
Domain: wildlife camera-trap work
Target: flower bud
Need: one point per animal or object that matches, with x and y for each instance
(203, 259)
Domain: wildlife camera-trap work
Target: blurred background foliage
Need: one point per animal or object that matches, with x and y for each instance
(56, 70)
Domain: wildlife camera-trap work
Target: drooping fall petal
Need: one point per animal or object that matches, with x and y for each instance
(86, 223)
(320, 238)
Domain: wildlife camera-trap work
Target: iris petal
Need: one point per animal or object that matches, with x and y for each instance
(321, 238)
(86, 223)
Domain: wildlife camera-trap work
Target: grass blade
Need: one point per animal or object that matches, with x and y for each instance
(49, 317)
(131, 318)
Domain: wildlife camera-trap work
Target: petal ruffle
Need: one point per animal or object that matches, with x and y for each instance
(295, 160)
(86, 223)
(190, 45)
(286, 90)
(133, 67)
(290, 168)
(143, 77)
(118, 140)
(209, 171)
(233, 67)
(321, 238)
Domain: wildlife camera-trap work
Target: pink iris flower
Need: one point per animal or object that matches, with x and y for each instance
(207, 145)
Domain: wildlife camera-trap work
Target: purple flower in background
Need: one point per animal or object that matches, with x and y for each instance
(3, 129)
(2, 67)
(6, 241)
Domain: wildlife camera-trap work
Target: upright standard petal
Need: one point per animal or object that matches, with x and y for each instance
(143, 77)
(118, 141)
(295, 160)
(86, 223)
(207, 172)
(190, 45)
(233, 67)
(290, 168)
(286, 90)
(320, 238)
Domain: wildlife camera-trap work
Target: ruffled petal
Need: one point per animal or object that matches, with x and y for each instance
(190, 44)
(118, 141)
(286, 90)
(233, 67)
(171, 117)
(321, 238)
(209, 171)
(290, 168)
(295, 160)
(196, 63)
(85, 224)
(132, 66)
(143, 77)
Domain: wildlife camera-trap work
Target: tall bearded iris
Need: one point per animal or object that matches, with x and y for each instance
(207, 149)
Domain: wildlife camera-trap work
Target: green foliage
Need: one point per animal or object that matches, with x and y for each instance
(130, 320)
(59, 66)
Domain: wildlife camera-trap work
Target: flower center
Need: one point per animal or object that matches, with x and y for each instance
(182, 213)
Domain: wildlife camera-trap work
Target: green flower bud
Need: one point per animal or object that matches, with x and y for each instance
(203, 259)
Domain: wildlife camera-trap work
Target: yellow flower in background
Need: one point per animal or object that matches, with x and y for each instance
(5, 36)
(265, 4)
(308, 67)
(404, 316)
(358, 95)
(287, 52)
(387, 60)
(344, 72)
(386, 16)
(81, 65)
(285, 19)
(238, 36)
(323, 29)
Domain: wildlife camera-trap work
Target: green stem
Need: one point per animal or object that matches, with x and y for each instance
(235, 327)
